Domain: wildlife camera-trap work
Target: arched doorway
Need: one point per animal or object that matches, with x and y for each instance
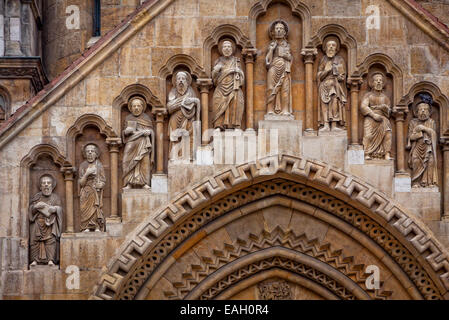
(304, 231)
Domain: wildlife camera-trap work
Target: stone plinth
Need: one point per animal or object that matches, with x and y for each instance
(204, 156)
(159, 183)
(114, 226)
(356, 154)
(379, 173)
(87, 249)
(328, 148)
(279, 135)
(402, 182)
(423, 202)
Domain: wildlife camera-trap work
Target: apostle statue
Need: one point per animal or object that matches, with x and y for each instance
(422, 143)
(91, 183)
(184, 108)
(228, 100)
(332, 87)
(45, 214)
(138, 156)
(376, 107)
(278, 62)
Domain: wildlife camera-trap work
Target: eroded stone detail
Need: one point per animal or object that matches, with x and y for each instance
(275, 290)
(91, 183)
(376, 107)
(422, 142)
(45, 214)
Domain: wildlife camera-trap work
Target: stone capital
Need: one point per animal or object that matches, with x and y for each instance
(354, 83)
(400, 112)
(444, 141)
(205, 84)
(249, 54)
(68, 172)
(113, 144)
(309, 54)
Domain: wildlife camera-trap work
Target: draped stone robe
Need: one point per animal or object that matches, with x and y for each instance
(138, 156)
(228, 100)
(91, 198)
(45, 229)
(279, 97)
(377, 135)
(182, 114)
(332, 91)
(422, 157)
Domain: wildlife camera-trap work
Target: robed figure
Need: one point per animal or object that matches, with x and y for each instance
(228, 100)
(91, 183)
(184, 108)
(332, 87)
(377, 133)
(138, 156)
(45, 214)
(422, 143)
(278, 62)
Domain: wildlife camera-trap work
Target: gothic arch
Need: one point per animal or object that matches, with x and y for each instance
(438, 97)
(218, 33)
(390, 67)
(345, 39)
(179, 60)
(298, 8)
(344, 203)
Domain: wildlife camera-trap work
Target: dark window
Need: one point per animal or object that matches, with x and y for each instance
(2, 108)
(97, 18)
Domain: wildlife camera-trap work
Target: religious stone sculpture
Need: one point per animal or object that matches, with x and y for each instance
(275, 290)
(376, 108)
(278, 62)
(91, 183)
(138, 156)
(422, 143)
(45, 214)
(184, 108)
(332, 87)
(228, 100)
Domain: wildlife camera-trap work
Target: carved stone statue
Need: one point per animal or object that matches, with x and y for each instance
(45, 214)
(376, 107)
(332, 87)
(138, 156)
(422, 143)
(91, 183)
(278, 62)
(228, 100)
(184, 108)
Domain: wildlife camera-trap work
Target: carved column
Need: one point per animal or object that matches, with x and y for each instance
(309, 55)
(445, 148)
(114, 145)
(160, 117)
(69, 176)
(249, 54)
(399, 113)
(354, 83)
(204, 85)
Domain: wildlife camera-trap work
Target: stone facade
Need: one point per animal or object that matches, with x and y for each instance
(263, 188)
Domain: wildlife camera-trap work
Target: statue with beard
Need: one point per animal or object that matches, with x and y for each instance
(422, 143)
(45, 214)
(184, 108)
(332, 87)
(91, 183)
(376, 108)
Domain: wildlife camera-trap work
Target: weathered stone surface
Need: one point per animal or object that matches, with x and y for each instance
(379, 173)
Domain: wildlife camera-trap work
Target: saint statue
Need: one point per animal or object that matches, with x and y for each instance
(422, 143)
(45, 214)
(91, 183)
(332, 87)
(184, 108)
(138, 156)
(376, 107)
(228, 100)
(278, 62)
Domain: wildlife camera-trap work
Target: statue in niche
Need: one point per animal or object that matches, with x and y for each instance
(184, 108)
(138, 156)
(45, 214)
(376, 107)
(422, 143)
(91, 183)
(228, 100)
(278, 62)
(332, 87)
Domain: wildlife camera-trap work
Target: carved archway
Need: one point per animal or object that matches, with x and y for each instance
(362, 226)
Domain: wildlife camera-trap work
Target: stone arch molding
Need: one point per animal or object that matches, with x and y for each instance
(413, 253)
